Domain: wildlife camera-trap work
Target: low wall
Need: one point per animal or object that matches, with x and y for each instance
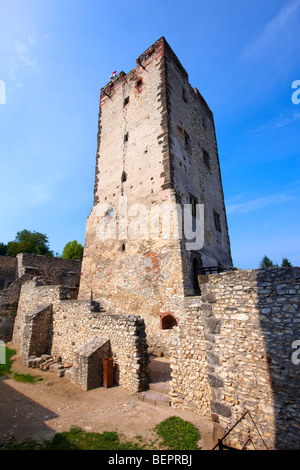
(34, 293)
(53, 270)
(189, 384)
(75, 322)
(250, 321)
(15, 271)
(7, 270)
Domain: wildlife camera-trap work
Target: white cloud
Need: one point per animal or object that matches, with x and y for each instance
(22, 58)
(275, 30)
(282, 120)
(256, 204)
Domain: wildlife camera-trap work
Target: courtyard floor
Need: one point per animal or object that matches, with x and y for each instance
(38, 411)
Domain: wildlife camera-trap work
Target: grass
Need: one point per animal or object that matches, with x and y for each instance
(178, 434)
(76, 439)
(5, 369)
(174, 432)
(27, 378)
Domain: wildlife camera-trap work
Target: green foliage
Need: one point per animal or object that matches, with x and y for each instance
(75, 439)
(5, 369)
(286, 263)
(29, 242)
(27, 378)
(73, 250)
(3, 249)
(177, 434)
(267, 263)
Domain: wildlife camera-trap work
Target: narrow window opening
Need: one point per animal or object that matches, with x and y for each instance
(206, 158)
(126, 101)
(217, 219)
(193, 202)
(123, 177)
(195, 272)
(187, 140)
(123, 247)
(126, 136)
(139, 83)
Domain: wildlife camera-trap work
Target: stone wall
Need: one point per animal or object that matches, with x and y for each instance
(33, 294)
(7, 270)
(250, 320)
(75, 322)
(143, 160)
(188, 360)
(53, 270)
(195, 167)
(15, 271)
(9, 299)
(87, 370)
(35, 340)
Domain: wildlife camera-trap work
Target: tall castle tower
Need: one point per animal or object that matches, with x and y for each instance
(156, 151)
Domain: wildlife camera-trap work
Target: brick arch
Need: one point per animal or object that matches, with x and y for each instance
(168, 321)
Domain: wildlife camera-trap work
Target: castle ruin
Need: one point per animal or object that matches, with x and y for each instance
(152, 285)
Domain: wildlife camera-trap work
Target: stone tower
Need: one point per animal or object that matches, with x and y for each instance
(156, 154)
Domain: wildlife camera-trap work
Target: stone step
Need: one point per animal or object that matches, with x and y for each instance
(155, 398)
(160, 387)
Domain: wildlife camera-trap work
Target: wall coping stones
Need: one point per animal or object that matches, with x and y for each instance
(88, 348)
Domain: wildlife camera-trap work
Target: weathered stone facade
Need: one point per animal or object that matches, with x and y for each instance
(229, 336)
(156, 147)
(7, 271)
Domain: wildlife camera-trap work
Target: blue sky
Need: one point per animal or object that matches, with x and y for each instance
(242, 55)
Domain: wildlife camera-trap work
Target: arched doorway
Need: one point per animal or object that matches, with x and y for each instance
(168, 322)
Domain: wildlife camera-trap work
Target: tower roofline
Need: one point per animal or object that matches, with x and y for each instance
(162, 48)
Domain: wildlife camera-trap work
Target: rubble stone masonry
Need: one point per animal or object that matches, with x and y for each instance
(156, 146)
(246, 324)
(73, 323)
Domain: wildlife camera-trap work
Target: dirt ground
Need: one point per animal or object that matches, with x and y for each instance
(38, 411)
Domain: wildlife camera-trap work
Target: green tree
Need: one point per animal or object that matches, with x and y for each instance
(267, 263)
(73, 250)
(29, 242)
(3, 249)
(286, 263)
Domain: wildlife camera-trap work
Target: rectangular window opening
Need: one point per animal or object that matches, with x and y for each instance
(187, 140)
(217, 219)
(206, 158)
(193, 202)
